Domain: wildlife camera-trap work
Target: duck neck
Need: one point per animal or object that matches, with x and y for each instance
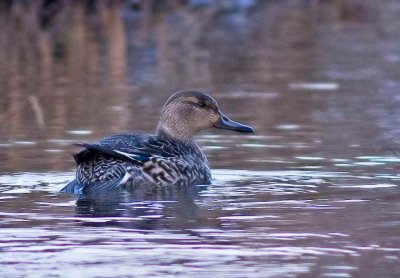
(175, 132)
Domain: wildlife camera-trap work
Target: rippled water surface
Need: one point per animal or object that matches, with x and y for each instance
(314, 193)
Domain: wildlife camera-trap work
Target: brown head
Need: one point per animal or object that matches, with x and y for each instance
(188, 112)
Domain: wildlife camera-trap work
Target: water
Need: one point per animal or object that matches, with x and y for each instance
(314, 193)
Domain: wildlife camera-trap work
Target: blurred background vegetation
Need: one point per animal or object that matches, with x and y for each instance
(107, 66)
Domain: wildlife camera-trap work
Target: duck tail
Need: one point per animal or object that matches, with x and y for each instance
(73, 187)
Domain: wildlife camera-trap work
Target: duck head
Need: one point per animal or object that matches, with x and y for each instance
(188, 112)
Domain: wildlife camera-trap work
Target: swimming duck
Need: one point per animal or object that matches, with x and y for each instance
(171, 157)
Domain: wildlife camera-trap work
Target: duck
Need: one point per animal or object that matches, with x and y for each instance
(171, 157)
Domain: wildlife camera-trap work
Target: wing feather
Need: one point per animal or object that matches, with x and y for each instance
(134, 148)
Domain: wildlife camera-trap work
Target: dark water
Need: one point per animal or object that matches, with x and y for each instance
(314, 193)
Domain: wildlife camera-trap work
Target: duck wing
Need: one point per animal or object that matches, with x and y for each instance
(130, 147)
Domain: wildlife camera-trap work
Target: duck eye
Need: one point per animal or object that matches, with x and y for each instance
(202, 105)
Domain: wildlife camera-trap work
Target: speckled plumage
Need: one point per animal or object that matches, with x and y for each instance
(136, 159)
(169, 158)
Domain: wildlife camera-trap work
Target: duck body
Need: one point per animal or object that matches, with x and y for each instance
(169, 158)
(133, 159)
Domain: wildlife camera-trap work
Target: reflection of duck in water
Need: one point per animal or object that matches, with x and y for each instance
(169, 158)
(141, 208)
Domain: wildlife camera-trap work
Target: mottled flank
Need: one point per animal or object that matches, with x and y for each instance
(135, 159)
(170, 158)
